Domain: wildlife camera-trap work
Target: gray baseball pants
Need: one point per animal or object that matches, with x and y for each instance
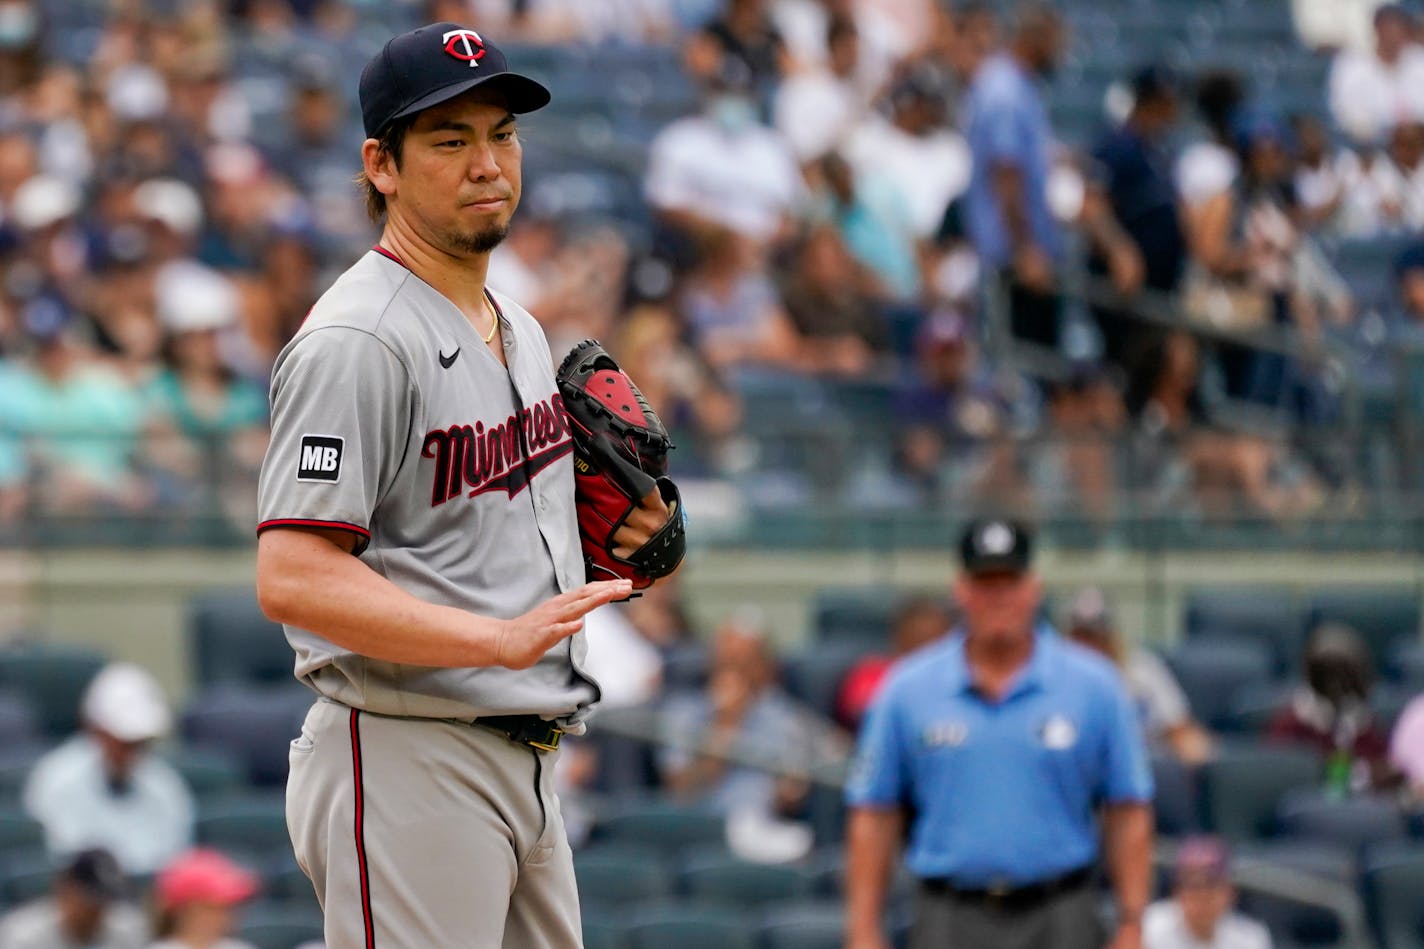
(423, 833)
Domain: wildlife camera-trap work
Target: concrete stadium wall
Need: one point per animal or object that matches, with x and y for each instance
(133, 603)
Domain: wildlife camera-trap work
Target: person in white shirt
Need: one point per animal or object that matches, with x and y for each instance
(104, 787)
(928, 162)
(85, 910)
(1370, 92)
(1199, 915)
(805, 26)
(817, 107)
(723, 170)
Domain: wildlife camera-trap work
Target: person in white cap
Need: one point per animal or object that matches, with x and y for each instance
(103, 787)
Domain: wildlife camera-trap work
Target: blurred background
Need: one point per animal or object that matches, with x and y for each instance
(1195, 366)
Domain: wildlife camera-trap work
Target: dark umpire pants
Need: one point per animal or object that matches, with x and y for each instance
(1054, 917)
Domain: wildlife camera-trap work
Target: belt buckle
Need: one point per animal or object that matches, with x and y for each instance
(542, 739)
(551, 745)
(998, 890)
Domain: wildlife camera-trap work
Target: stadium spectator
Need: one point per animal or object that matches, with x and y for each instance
(722, 171)
(818, 107)
(959, 419)
(1330, 712)
(812, 28)
(1199, 913)
(1001, 742)
(197, 896)
(105, 788)
(1319, 176)
(81, 419)
(743, 711)
(733, 312)
(1372, 90)
(914, 149)
(876, 226)
(1139, 242)
(85, 909)
(1330, 25)
(742, 42)
(1162, 707)
(1010, 139)
(689, 396)
(834, 302)
(1406, 749)
(1077, 468)
(1206, 175)
(207, 426)
(919, 621)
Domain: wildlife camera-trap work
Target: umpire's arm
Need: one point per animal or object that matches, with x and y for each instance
(872, 843)
(1127, 791)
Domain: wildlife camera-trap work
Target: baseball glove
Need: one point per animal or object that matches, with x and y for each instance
(620, 456)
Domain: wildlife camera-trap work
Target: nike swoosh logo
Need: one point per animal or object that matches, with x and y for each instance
(447, 361)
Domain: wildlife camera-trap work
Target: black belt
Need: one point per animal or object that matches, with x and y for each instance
(538, 733)
(1008, 895)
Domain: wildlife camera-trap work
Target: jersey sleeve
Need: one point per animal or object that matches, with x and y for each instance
(342, 406)
(877, 776)
(1127, 771)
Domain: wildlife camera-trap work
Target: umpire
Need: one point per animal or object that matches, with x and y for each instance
(990, 753)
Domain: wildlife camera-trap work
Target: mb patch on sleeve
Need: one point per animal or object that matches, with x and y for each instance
(320, 458)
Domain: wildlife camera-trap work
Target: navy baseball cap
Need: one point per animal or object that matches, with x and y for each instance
(426, 66)
(996, 545)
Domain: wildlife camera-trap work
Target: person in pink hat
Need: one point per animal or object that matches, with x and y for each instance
(197, 896)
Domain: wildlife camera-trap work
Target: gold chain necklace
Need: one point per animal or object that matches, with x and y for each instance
(494, 320)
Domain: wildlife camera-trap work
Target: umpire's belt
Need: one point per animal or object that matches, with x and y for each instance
(531, 730)
(1010, 896)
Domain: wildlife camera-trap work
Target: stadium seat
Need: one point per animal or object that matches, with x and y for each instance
(18, 723)
(1383, 616)
(726, 879)
(662, 825)
(1270, 615)
(209, 772)
(275, 926)
(25, 874)
(232, 641)
(685, 925)
(814, 674)
(1176, 805)
(1214, 671)
(254, 723)
(602, 931)
(1392, 881)
(1256, 705)
(804, 925)
(612, 875)
(849, 614)
(1351, 823)
(1406, 664)
(285, 883)
(1243, 787)
(1301, 923)
(19, 831)
(53, 678)
(251, 826)
(16, 763)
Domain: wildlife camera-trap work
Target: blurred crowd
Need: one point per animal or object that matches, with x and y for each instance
(853, 192)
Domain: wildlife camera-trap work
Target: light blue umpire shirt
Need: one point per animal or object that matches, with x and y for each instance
(1001, 794)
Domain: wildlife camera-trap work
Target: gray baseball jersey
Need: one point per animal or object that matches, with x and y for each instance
(393, 420)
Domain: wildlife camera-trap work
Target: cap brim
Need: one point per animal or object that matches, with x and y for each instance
(521, 94)
(1008, 564)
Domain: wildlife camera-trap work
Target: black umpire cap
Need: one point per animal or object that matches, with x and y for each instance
(426, 66)
(996, 545)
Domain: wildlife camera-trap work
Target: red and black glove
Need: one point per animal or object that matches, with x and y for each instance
(620, 457)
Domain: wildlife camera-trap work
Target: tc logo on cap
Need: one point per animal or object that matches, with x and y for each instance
(465, 45)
